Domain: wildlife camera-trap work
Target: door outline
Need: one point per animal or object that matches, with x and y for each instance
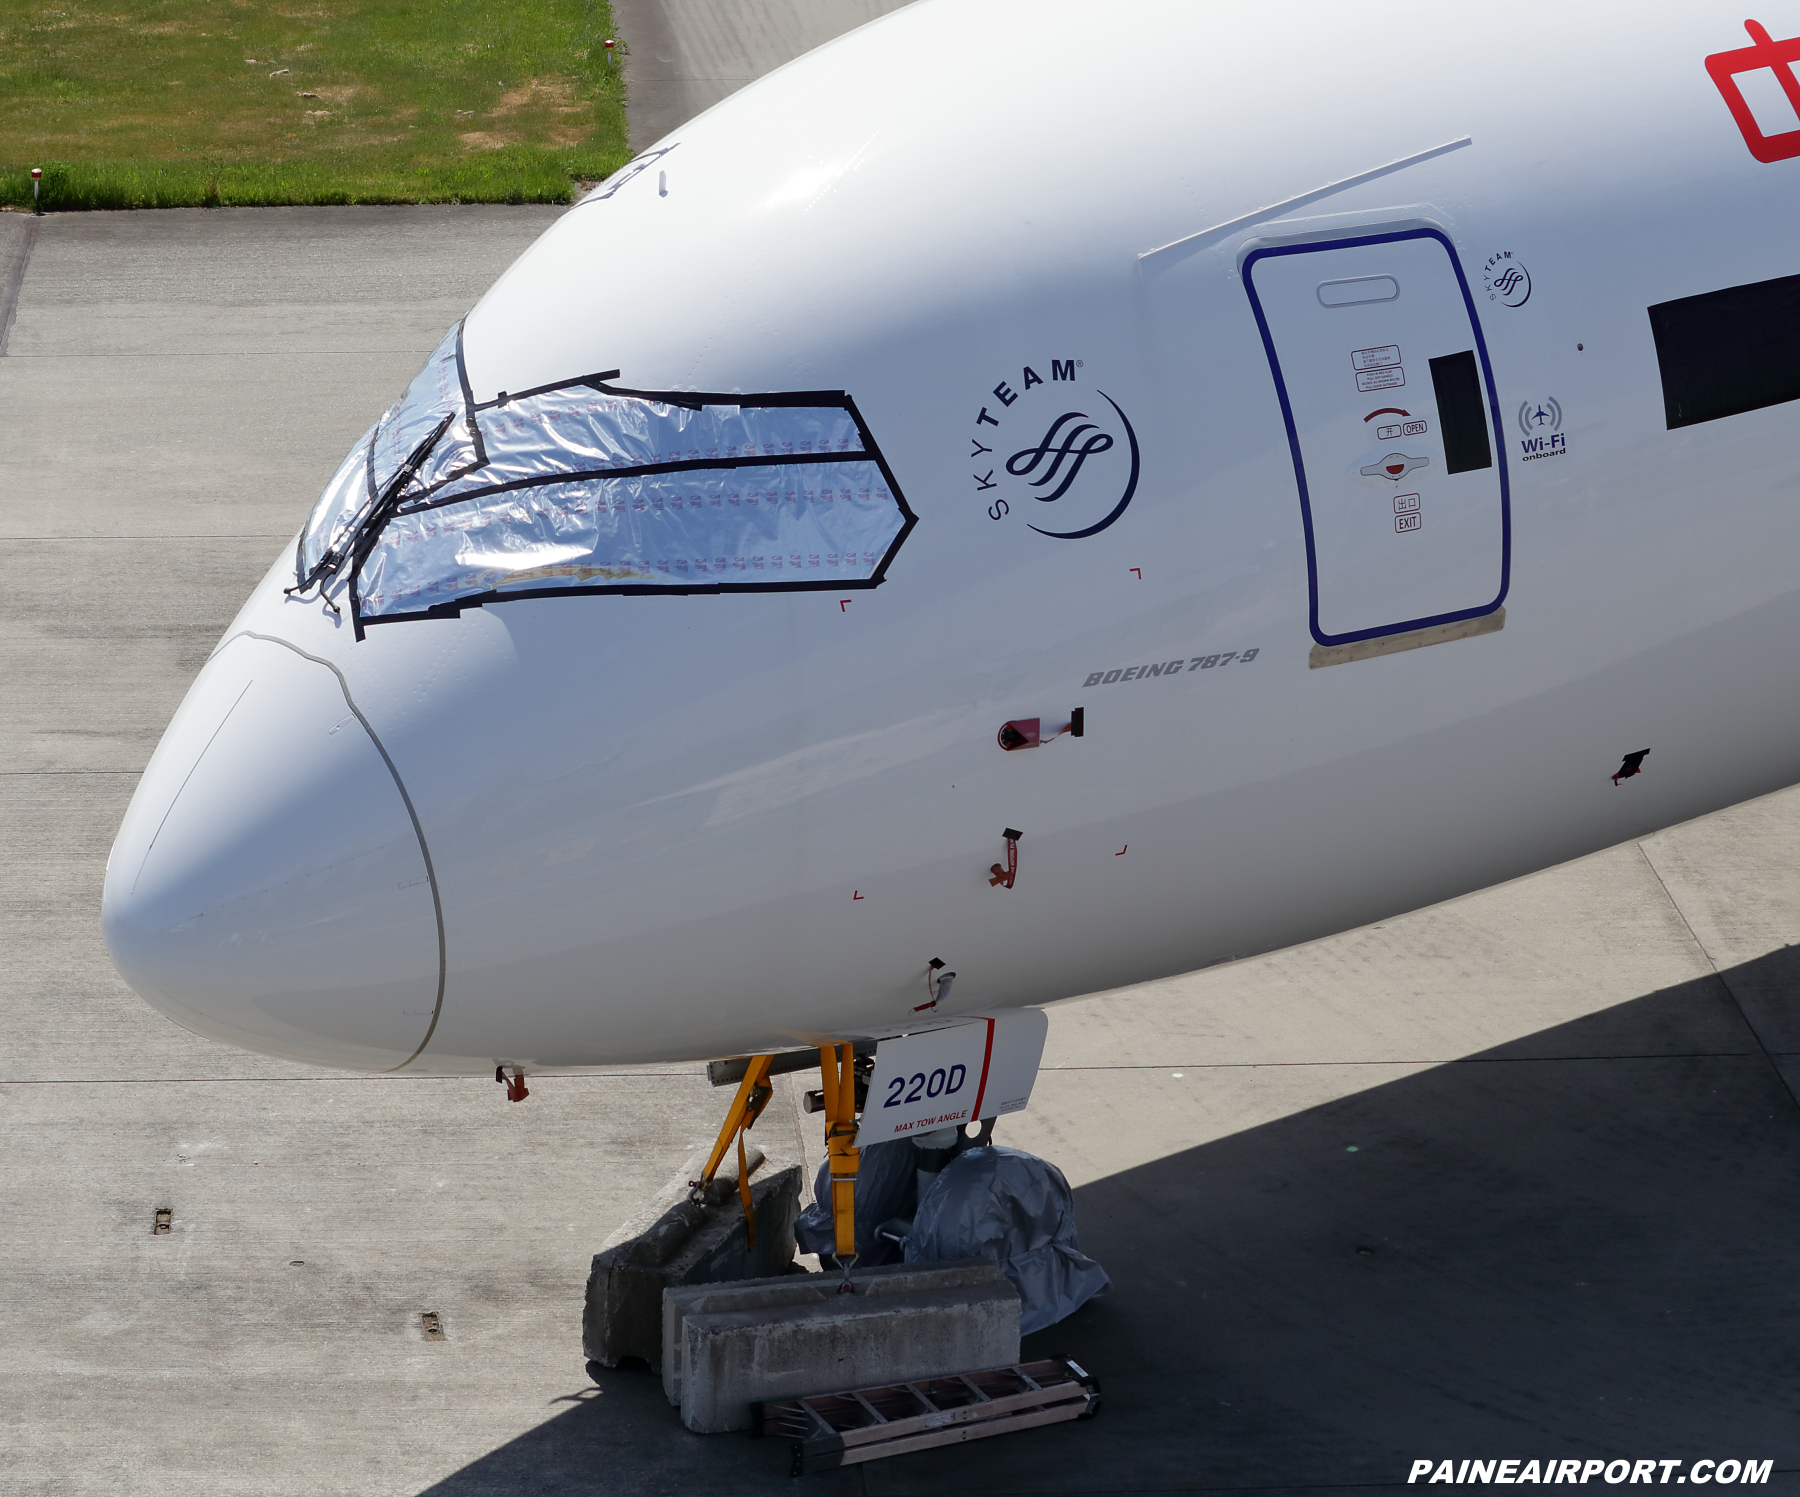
(1313, 246)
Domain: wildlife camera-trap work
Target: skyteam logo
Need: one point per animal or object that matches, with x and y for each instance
(1040, 442)
(1072, 446)
(1507, 280)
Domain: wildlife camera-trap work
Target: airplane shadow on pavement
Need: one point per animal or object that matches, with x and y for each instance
(1582, 1243)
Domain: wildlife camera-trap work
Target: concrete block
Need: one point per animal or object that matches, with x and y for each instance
(674, 1241)
(732, 1359)
(788, 1290)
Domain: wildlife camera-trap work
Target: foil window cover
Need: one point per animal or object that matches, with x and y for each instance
(582, 430)
(788, 526)
(346, 500)
(350, 499)
(584, 487)
(436, 392)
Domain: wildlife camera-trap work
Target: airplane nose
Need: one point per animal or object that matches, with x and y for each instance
(268, 887)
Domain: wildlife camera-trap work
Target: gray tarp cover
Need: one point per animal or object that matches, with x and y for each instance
(887, 1185)
(1017, 1210)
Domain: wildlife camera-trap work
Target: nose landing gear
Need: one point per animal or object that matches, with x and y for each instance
(838, 1078)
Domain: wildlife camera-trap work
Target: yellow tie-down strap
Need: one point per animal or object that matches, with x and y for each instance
(837, 1070)
(837, 1074)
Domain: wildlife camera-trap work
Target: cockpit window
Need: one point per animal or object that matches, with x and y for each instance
(436, 392)
(585, 487)
(346, 500)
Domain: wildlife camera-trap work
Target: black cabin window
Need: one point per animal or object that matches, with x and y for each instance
(1727, 352)
(1462, 414)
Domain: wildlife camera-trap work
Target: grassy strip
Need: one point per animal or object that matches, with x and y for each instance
(518, 175)
(179, 103)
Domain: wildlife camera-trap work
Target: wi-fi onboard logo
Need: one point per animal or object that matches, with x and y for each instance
(1540, 417)
(1541, 422)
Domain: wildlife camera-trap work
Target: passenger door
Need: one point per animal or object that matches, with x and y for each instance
(1384, 384)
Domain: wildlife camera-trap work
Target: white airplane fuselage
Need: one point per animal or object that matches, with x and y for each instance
(638, 820)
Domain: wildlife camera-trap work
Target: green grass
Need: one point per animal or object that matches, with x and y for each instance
(171, 103)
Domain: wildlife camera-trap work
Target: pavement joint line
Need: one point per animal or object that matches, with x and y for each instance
(247, 353)
(250, 535)
(238, 1080)
(15, 279)
(1454, 1060)
(1725, 982)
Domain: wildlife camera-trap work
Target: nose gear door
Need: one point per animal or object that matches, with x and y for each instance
(1394, 426)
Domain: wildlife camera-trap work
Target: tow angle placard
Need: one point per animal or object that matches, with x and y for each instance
(980, 1068)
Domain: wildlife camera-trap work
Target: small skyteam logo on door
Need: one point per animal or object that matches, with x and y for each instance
(1056, 441)
(1506, 279)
